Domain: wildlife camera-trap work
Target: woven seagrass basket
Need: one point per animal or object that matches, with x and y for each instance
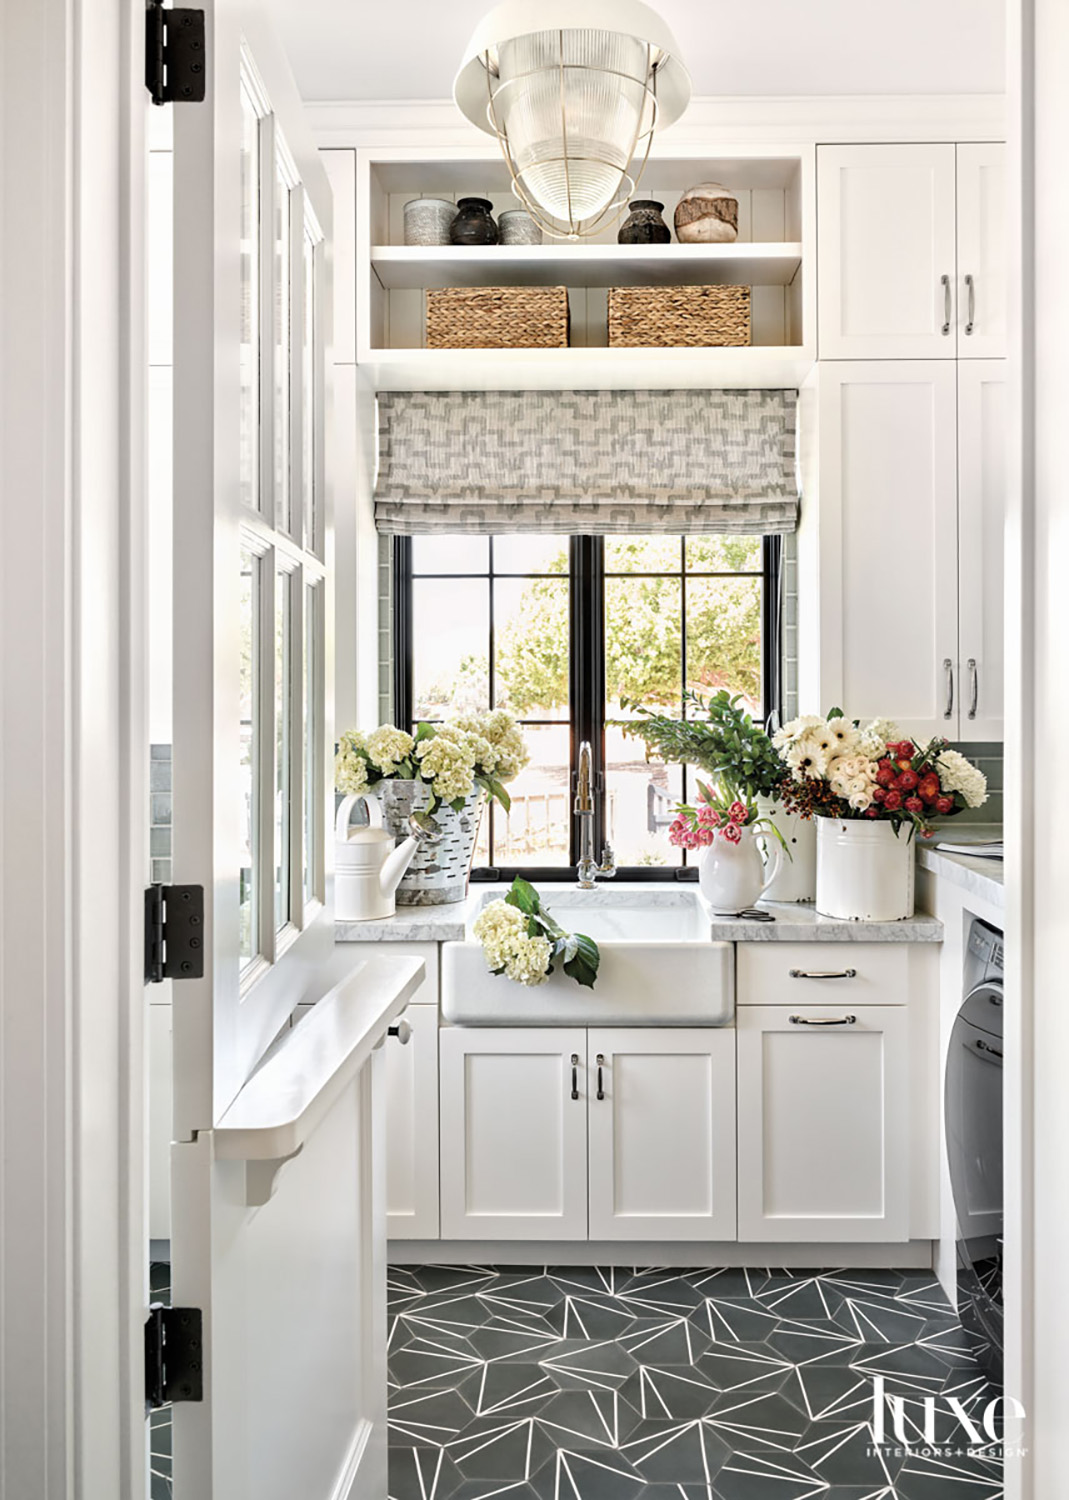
(696, 317)
(497, 317)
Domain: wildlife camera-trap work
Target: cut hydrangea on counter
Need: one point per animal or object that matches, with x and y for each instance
(522, 941)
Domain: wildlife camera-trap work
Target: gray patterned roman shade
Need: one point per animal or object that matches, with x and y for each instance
(587, 461)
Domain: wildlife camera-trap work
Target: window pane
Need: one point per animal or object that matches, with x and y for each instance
(724, 637)
(249, 616)
(249, 417)
(450, 645)
(282, 353)
(283, 742)
(724, 554)
(531, 554)
(640, 802)
(643, 554)
(310, 735)
(643, 641)
(531, 646)
(537, 830)
(450, 554)
(309, 404)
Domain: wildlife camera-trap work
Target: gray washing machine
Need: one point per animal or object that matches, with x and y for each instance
(973, 1101)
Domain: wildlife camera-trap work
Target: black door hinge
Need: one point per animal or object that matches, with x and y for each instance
(174, 932)
(175, 69)
(174, 1355)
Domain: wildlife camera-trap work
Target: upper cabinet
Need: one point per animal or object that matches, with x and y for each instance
(911, 262)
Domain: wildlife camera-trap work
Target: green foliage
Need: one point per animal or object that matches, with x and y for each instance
(579, 955)
(720, 738)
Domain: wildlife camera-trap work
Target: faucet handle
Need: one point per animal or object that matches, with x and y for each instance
(608, 860)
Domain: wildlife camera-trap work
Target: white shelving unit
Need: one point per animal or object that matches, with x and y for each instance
(773, 255)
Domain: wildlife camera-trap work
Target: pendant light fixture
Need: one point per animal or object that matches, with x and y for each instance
(573, 90)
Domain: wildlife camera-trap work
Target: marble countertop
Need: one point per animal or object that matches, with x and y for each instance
(980, 877)
(792, 924)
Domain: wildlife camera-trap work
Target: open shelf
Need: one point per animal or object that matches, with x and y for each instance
(414, 266)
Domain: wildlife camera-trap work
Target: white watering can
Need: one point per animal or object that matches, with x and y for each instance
(367, 865)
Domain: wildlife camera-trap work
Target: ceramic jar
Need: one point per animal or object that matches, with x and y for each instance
(865, 872)
(473, 224)
(733, 876)
(518, 228)
(797, 878)
(707, 215)
(427, 221)
(644, 225)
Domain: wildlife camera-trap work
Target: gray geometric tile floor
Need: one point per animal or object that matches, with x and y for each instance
(566, 1383)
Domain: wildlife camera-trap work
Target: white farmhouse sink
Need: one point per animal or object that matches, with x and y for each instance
(658, 967)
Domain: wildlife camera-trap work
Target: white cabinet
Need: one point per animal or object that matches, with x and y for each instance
(662, 1134)
(886, 264)
(983, 242)
(900, 229)
(982, 478)
(887, 494)
(412, 1128)
(513, 1133)
(824, 1122)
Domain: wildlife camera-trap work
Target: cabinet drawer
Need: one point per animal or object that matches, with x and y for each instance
(801, 973)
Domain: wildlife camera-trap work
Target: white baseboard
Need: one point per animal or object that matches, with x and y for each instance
(912, 1255)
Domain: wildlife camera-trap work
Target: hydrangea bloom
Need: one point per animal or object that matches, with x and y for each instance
(387, 747)
(448, 764)
(956, 774)
(350, 766)
(502, 930)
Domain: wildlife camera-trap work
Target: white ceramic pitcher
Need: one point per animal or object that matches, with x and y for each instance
(732, 877)
(368, 864)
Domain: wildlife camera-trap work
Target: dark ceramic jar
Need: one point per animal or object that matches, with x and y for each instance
(644, 225)
(473, 224)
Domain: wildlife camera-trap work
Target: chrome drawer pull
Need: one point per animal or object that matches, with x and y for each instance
(575, 1075)
(971, 287)
(601, 1085)
(823, 973)
(974, 678)
(945, 283)
(948, 669)
(823, 1020)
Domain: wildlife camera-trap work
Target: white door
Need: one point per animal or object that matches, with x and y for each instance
(662, 1133)
(513, 1124)
(886, 265)
(983, 246)
(983, 417)
(824, 1123)
(285, 1280)
(412, 1126)
(887, 501)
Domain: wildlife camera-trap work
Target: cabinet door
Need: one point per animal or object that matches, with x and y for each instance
(982, 478)
(513, 1137)
(983, 241)
(824, 1127)
(887, 498)
(885, 252)
(412, 1128)
(662, 1134)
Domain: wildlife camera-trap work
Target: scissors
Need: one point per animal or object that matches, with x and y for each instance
(751, 913)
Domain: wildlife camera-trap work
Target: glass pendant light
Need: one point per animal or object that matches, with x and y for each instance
(573, 93)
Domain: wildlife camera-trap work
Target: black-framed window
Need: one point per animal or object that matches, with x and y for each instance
(558, 630)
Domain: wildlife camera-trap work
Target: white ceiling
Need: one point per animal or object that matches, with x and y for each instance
(409, 49)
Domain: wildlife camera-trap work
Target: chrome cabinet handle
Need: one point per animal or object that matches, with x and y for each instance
(823, 1020)
(575, 1075)
(402, 1031)
(945, 282)
(600, 1060)
(948, 668)
(823, 973)
(970, 287)
(974, 687)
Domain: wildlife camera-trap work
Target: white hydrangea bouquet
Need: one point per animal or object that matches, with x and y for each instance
(522, 941)
(450, 759)
(849, 769)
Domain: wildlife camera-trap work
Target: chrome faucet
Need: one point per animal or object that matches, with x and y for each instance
(587, 870)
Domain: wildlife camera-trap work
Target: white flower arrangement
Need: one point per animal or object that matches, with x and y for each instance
(451, 759)
(522, 941)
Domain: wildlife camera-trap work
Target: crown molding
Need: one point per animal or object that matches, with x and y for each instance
(805, 119)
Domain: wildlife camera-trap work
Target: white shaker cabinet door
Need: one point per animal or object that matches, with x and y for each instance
(662, 1134)
(824, 1123)
(983, 245)
(887, 502)
(886, 263)
(513, 1133)
(412, 1128)
(982, 480)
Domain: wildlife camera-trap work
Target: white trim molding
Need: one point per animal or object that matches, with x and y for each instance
(799, 119)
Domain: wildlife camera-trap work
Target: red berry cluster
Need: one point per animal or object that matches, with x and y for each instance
(903, 786)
